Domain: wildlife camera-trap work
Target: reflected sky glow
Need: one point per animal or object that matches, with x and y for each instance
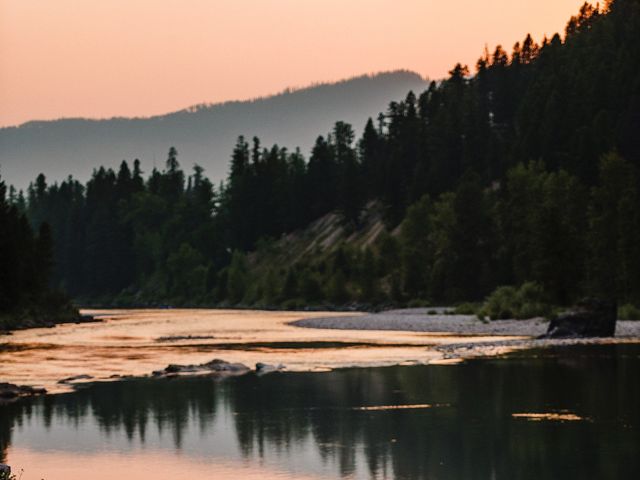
(407, 423)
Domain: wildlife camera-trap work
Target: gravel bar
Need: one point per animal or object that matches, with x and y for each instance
(418, 320)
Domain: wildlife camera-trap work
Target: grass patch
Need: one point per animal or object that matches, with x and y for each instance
(418, 303)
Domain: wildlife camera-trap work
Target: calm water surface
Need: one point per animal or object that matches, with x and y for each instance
(137, 342)
(572, 413)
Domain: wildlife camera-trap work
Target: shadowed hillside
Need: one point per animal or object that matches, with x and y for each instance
(204, 134)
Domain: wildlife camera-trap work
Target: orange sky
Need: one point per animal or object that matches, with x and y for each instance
(101, 58)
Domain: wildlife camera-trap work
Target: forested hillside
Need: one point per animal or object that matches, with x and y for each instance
(524, 171)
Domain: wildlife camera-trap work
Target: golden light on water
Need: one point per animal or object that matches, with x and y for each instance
(384, 408)
(137, 342)
(554, 417)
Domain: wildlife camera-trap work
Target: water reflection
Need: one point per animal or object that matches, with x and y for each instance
(401, 422)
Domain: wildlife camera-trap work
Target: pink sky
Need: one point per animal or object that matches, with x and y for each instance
(103, 58)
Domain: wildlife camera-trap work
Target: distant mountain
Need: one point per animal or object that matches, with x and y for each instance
(203, 134)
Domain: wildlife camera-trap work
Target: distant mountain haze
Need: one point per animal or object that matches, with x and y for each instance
(202, 134)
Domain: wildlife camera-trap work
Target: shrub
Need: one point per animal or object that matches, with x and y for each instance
(237, 277)
(337, 291)
(628, 312)
(293, 304)
(310, 288)
(467, 308)
(507, 302)
(418, 303)
(499, 305)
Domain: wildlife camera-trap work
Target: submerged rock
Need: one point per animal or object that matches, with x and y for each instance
(75, 378)
(264, 368)
(87, 319)
(214, 366)
(590, 318)
(10, 392)
(178, 338)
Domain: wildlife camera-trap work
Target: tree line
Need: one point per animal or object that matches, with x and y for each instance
(26, 260)
(524, 171)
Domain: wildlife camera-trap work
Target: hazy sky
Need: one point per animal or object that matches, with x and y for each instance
(101, 58)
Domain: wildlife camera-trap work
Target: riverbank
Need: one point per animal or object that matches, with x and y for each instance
(42, 315)
(421, 320)
(523, 333)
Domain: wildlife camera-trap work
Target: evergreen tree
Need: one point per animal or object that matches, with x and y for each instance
(615, 228)
(322, 178)
(417, 250)
(350, 193)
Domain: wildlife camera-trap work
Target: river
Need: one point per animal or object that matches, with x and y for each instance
(568, 413)
(404, 413)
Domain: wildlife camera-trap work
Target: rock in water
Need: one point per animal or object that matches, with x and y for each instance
(5, 471)
(590, 318)
(74, 379)
(264, 368)
(215, 366)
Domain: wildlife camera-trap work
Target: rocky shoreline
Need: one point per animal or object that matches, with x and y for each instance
(46, 322)
(10, 393)
(466, 351)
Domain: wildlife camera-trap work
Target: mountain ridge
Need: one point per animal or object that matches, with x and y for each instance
(203, 133)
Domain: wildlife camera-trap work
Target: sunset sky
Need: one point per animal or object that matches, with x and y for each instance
(103, 58)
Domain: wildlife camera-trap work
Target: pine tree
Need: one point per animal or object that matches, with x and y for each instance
(615, 226)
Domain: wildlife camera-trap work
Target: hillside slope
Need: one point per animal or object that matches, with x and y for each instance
(296, 265)
(323, 237)
(202, 134)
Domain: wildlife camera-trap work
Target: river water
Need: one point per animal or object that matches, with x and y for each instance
(137, 342)
(570, 413)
